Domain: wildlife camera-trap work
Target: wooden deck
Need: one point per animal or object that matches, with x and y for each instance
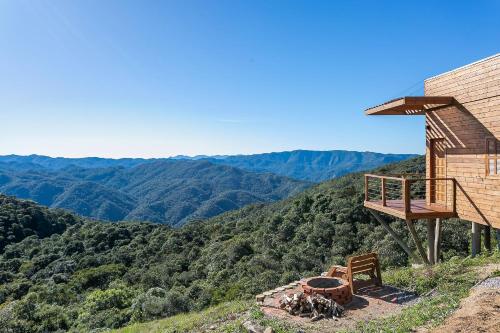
(419, 209)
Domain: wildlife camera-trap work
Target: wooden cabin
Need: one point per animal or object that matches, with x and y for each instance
(462, 133)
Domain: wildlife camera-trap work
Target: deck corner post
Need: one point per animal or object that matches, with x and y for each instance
(476, 239)
(384, 200)
(406, 195)
(366, 188)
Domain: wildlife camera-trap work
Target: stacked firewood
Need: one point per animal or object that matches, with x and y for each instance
(312, 306)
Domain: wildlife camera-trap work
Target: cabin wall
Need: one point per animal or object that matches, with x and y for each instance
(465, 127)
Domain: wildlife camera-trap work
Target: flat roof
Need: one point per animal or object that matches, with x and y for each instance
(463, 67)
(410, 105)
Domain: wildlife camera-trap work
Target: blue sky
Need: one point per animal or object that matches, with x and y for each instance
(160, 78)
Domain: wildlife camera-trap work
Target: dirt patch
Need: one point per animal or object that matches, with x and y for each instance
(479, 312)
(367, 304)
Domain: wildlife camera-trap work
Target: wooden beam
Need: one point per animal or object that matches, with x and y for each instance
(414, 235)
(431, 233)
(487, 237)
(437, 241)
(388, 228)
(476, 239)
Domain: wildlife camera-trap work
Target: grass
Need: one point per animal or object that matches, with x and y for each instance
(194, 321)
(449, 282)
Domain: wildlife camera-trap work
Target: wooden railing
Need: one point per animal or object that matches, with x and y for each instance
(408, 187)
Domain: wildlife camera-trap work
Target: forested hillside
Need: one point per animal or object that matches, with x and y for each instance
(21, 219)
(169, 191)
(97, 275)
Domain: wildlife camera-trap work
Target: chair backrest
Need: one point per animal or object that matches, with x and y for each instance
(362, 264)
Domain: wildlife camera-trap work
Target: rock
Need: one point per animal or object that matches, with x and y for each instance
(212, 327)
(269, 329)
(260, 298)
(251, 328)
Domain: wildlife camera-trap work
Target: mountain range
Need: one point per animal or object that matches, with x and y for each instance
(167, 191)
(173, 190)
(310, 165)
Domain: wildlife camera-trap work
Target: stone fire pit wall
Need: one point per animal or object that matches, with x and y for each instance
(334, 288)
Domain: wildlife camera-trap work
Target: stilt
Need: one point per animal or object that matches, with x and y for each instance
(476, 239)
(431, 230)
(487, 237)
(388, 228)
(420, 249)
(437, 241)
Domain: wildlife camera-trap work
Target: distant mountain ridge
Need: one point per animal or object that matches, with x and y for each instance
(309, 165)
(178, 189)
(164, 191)
(316, 166)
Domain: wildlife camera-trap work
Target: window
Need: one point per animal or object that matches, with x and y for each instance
(492, 157)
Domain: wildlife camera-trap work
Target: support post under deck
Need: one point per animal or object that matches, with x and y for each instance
(476, 239)
(487, 237)
(437, 241)
(388, 228)
(414, 235)
(431, 232)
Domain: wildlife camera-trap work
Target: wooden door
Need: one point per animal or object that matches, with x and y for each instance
(438, 170)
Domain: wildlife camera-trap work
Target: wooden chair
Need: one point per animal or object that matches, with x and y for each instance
(364, 264)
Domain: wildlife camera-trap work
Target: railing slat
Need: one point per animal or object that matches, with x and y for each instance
(384, 202)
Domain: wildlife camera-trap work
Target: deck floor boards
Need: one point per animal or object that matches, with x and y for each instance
(419, 209)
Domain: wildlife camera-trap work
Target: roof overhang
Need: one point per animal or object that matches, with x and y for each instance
(410, 105)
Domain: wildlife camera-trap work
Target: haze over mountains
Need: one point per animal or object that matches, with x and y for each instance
(173, 190)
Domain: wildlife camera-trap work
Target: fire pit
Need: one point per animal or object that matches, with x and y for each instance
(330, 287)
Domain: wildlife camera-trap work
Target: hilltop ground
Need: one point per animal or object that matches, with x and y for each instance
(461, 295)
(480, 311)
